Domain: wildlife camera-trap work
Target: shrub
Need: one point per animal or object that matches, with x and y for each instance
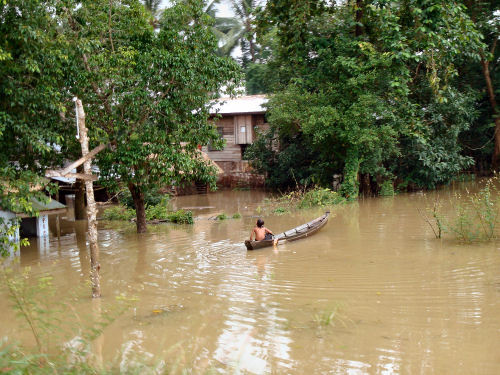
(157, 212)
(181, 217)
(477, 218)
(387, 188)
(118, 213)
(320, 197)
(222, 216)
(237, 215)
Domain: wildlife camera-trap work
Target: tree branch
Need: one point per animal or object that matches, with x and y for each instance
(77, 163)
(109, 26)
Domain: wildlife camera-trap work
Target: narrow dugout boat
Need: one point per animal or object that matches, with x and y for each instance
(296, 233)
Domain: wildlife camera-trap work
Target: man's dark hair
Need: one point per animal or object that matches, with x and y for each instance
(260, 223)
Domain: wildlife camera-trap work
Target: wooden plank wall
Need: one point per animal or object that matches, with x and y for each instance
(231, 151)
(229, 159)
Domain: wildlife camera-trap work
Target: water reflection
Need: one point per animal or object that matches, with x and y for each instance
(409, 303)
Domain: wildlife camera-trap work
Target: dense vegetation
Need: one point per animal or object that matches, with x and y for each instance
(146, 81)
(378, 95)
(398, 93)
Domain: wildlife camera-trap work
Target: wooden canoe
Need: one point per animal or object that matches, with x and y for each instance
(296, 233)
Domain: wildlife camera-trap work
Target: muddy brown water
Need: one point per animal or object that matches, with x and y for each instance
(372, 293)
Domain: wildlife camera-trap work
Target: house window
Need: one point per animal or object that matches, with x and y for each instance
(220, 130)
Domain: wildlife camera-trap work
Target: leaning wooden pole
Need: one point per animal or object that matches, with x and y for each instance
(91, 206)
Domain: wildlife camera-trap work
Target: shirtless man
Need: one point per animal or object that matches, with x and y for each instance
(261, 232)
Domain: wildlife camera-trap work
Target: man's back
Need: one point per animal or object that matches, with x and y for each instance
(260, 233)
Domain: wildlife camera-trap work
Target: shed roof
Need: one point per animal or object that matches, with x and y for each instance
(51, 207)
(242, 104)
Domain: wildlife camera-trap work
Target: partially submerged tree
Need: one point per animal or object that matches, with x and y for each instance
(148, 93)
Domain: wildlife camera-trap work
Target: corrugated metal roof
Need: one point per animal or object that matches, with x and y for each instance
(242, 104)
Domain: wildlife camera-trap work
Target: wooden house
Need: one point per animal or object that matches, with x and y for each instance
(239, 121)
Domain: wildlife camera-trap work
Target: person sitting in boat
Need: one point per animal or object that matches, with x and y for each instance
(260, 232)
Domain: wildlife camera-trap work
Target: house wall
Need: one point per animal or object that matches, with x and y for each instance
(231, 151)
(238, 130)
(232, 126)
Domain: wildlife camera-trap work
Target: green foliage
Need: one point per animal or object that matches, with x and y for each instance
(478, 217)
(222, 216)
(377, 95)
(319, 197)
(287, 166)
(387, 188)
(475, 218)
(281, 211)
(237, 215)
(181, 217)
(118, 213)
(8, 241)
(156, 212)
(151, 198)
(350, 186)
(31, 95)
(432, 153)
(303, 199)
(34, 134)
(154, 122)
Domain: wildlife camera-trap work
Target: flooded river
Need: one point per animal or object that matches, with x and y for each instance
(372, 293)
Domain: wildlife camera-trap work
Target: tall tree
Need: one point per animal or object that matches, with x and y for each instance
(362, 81)
(486, 17)
(147, 93)
(33, 134)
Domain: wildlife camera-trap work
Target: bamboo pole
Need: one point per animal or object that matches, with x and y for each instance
(91, 206)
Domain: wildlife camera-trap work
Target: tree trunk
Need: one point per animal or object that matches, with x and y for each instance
(491, 95)
(359, 15)
(91, 206)
(365, 187)
(140, 207)
(80, 213)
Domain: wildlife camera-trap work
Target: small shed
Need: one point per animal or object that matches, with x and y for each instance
(35, 226)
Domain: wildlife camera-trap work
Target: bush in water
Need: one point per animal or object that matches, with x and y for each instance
(319, 197)
(119, 213)
(476, 218)
(222, 216)
(181, 217)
